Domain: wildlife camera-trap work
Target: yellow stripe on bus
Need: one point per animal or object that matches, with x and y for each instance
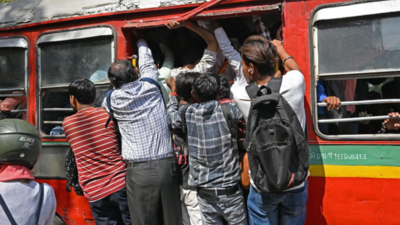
(355, 171)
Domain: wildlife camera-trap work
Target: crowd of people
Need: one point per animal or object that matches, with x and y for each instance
(171, 152)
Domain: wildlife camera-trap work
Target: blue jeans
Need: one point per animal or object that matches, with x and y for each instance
(284, 208)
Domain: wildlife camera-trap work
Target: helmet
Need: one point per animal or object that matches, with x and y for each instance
(20, 143)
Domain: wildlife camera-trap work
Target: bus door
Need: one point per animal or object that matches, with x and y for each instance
(13, 77)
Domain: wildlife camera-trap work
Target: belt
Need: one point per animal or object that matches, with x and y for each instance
(150, 162)
(217, 192)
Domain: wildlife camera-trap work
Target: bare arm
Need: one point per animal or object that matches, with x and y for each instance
(290, 64)
(205, 34)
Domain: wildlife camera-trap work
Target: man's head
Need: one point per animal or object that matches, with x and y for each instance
(191, 55)
(259, 58)
(184, 83)
(121, 72)
(82, 92)
(206, 87)
(225, 88)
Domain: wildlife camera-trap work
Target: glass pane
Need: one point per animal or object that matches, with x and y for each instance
(12, 68)
(64, 62)
(370, 89)
(359, 44)
(51, 163)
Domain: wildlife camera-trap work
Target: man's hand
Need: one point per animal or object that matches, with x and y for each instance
(393, 123)
(171, 84)
(172, 24)
(332, 103)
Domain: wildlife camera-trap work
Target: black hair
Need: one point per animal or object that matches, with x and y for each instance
(206, 87)
(261, 52)
(191, 53)
(83, 91)
(121, 72)
(184, 83)
(390, 90)
(225, 88)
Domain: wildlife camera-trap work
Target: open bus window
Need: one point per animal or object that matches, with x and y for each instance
(13, 76)
(64, 60)
(356, 61)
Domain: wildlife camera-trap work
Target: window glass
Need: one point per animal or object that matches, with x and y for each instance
(359, 44)
(12, 68)
(64, 62)
(367, 89)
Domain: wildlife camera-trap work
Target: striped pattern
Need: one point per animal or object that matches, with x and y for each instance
(101, 168)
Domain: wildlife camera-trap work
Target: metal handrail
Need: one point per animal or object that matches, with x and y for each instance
(18, 110)
(52, 122)
(12, 95)
(365, 102)
(354, 119)
(58, 109)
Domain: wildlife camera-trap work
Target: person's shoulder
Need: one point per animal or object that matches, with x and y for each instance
(68, 120)
(293, 75)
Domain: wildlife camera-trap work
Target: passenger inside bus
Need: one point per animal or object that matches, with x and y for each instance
(13, 103)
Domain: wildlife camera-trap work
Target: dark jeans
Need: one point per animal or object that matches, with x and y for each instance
(111, 210)
(153, 192)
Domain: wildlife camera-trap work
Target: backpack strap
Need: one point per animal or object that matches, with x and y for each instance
(151, 81)
(108, 100)
(252, 90)
(275, 84)
(7, 211)
(39, 207)
(226, 110)
(183, 118)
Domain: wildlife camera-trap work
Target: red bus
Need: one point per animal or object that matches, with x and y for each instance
(44, 45)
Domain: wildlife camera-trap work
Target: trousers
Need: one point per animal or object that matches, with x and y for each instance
(111, 210)
(153, 192)
(191, 214)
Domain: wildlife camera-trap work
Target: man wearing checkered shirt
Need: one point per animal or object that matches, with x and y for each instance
(153, 177)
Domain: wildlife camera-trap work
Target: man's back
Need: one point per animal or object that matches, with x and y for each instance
(213, 162)
(22, 200)
(101, 169)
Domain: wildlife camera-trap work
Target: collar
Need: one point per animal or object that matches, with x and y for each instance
(15, 172)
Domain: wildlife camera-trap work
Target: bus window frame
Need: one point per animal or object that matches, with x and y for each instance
(25, 89)
(368, 10)
(39, 88)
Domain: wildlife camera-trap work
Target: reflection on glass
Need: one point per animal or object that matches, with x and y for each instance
(359, 44)
(64, 62)
(12, 68)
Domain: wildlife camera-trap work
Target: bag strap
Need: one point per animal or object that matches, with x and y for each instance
(111, 117)
(39, 207)
(226, 110)
(7, 211)
(183, 117)
(252, 90)
(265, 99)
(275, 84)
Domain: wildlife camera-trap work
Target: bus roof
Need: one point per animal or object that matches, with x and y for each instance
(23, 12)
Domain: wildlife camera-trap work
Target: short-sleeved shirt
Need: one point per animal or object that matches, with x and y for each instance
(101, 169)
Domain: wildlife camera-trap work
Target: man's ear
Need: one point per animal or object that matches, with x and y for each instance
(252, 69)
(194, 97)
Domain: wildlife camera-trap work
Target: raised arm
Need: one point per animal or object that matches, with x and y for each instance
(228, 51)
(174, 119)
(168, 56)
(205, 34)
(288, 63)
(147, 67)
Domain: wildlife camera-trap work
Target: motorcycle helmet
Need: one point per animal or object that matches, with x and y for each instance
(20, 143)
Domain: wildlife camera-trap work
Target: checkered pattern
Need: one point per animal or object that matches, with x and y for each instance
(212, 160)
(205, 65)
(141, 114)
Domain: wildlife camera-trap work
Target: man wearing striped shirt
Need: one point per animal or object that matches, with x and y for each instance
(101, 169)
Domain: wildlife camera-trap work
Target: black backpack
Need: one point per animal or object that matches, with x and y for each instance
(72, 173)
(277, 146)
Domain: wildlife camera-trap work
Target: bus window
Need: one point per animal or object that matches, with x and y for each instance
(355, 62)
(63, 60)
(13, 77)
